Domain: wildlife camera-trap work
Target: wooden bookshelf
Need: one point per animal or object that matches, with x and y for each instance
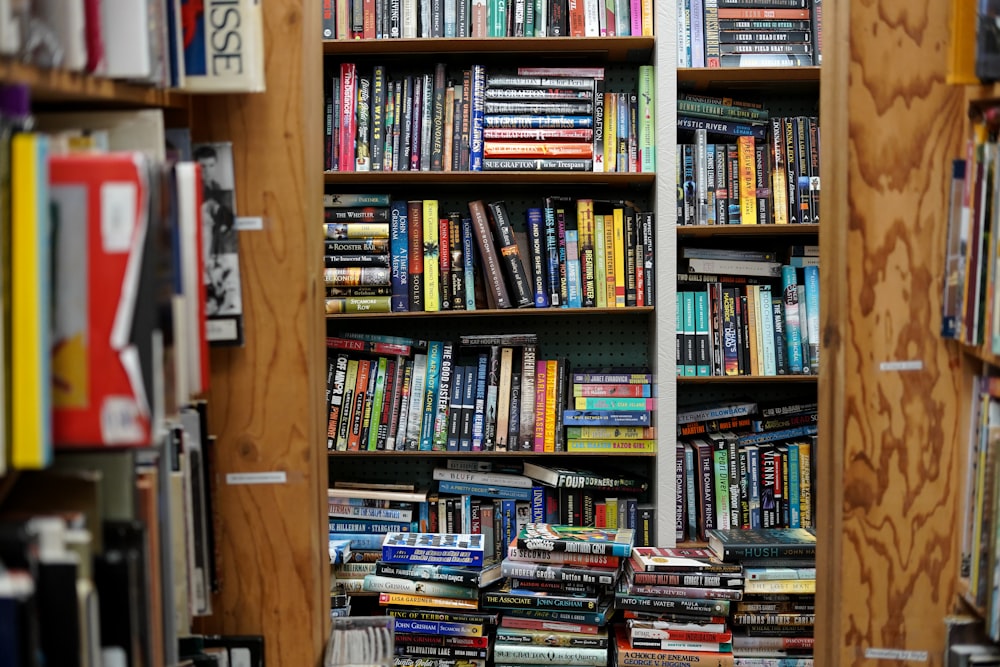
(396, 179)
(505, 313)
(266, 398)
(784, 79)
(57, 86)
(608, 49)
(710, 231)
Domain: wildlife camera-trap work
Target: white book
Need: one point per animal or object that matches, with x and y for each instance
(450, 17)
(409, 11)
(487, 478)
(227, 55)
(591, 18)
(766, 312)
(126, 39)
(141, 130)
(10, 27)
(189, 223)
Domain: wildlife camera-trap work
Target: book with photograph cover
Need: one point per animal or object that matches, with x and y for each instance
(223, 286)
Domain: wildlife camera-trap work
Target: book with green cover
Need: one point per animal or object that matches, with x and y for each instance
(576, 539)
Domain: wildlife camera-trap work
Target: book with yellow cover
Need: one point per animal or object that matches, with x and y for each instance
(747, 180)
(31, 412)
(432, 266)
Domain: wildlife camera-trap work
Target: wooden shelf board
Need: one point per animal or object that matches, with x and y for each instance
(701, 231)
(460, 455)
(982, 353)
(56, 86)
(749, 379)
(611, 49)
(968, 599)
(385, 179)
(510, 312)
(755, 77)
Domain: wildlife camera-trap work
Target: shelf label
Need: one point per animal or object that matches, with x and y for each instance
(895, 654)
(276, 477)
(901, 366)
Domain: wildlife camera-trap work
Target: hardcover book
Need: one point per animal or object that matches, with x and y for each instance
(665, 559)
(576, 539)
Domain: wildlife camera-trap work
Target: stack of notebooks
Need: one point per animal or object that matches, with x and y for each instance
(775, 618)
(556, 603)
(675, 603)
(430, 582)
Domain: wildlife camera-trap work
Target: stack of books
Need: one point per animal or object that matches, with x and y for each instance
(749, 33)
(611, 411)
(437, 572)
(360, 515)
(607, 499)
(556, 604)
(356, 253)
(675, 603)
(611, 399)
(775, 618)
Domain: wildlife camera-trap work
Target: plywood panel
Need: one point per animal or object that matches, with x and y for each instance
(266, 398)
(888, 452)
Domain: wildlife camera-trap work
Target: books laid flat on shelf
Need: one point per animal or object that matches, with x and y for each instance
(550, 119)
(742, 545)
(576, 539)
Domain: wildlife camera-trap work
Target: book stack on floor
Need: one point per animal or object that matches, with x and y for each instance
(556, 605)
(775, 618)
(360, 515)
(675, 603)
(356, 253)
(611, 411)
(430, 582)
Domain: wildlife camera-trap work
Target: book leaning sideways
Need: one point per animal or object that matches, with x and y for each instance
(219, 46)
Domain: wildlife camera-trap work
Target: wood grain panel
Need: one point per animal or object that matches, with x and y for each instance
(888, 459)
(266, 398)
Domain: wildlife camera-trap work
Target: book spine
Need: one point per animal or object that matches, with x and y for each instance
(477, 118)
(509, 251)
(444, 263)
(552, 255)
(526, 421)
(488, 254)
(399, 248)
(437, 119)
(791, 319)
(469, 266)
(538, 259)
(431, 249)
(415, 254)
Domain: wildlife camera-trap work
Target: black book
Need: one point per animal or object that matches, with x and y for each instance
(517, 276)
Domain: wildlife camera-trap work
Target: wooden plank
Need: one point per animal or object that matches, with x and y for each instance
(701, 231)
(775, 79)
(888, 460)
(503, 313)
(266, 400)
(609, 49)
(49, 86)
(388, 179)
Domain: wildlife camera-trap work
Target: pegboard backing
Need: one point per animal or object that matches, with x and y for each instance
(412, 467)
(586, 340)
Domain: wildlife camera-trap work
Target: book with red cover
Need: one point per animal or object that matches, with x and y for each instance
(103, 314)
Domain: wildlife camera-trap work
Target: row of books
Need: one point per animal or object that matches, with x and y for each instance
(488, 393)
(541, 118)
(409, 19)
(770, 175)
(980, 536)
(737, 468)
(148, 558)
(155, 42)
(970, 305)
(754, 326)
(749, 33)
(100, 364)
(413, 256)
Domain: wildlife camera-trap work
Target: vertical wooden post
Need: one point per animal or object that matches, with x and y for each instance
(890, 432)
(266, 400)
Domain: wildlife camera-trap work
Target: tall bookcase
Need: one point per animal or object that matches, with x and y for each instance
(589, 337)
(891, 392)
